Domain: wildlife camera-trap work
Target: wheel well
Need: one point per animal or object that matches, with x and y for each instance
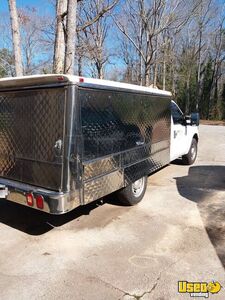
(195, 137)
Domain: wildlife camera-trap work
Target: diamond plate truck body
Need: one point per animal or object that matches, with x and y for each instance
(73, 140)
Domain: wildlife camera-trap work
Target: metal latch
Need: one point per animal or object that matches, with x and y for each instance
(3, 191)
(58, 147)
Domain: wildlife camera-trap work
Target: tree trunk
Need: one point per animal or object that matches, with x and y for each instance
(147, 74)
(164, 73)
(71, 36)
(155, 72)
(173, 80)
(16, 37)
(100, 73)
(199, 71)
(140, 75)
(99, 67)
(79, 62)
(59, 48)
(187, 106)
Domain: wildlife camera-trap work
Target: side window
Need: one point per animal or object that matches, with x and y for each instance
(177, 115)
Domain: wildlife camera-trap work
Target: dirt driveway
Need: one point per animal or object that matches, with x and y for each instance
(105, 251)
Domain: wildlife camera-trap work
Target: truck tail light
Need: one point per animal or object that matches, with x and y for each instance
(30, 199)
(39, 201)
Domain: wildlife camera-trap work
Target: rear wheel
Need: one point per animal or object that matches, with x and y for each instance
(133, 193)
(190, 157)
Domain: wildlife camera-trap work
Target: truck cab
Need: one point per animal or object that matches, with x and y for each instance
(184, 135)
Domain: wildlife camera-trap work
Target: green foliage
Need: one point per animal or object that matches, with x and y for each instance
(205, 104)
(186, 91)
(6, 63)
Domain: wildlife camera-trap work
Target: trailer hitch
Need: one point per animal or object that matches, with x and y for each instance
(3, 191)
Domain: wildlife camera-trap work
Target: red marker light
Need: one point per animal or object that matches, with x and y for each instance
(30, 199)
(60, 78)
(81, 79)
(39, 201)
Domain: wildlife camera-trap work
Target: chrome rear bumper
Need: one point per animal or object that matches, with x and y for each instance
(54, 202)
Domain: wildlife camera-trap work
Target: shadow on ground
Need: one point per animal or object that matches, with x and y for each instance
(35, 222)
(205, 185)
(177, 162)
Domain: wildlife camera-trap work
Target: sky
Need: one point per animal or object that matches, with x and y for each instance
(43, 5)
(46, 7)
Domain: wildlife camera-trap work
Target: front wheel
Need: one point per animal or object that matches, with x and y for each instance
(133, 193)
(190, 157)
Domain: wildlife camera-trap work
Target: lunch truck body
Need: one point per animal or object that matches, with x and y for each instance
(66, 140)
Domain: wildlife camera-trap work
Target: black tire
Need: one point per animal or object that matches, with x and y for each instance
(190, 157)
(128, 196)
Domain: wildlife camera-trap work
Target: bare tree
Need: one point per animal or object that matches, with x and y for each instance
(16, 37)
(94, 36)
(219, 43)
(71, 29)
(140, 28)
(33, 29)
(59, 48)
(70, 36)
(143, 22)
(203, 17)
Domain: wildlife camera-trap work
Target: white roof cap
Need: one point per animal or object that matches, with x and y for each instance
(53, 78)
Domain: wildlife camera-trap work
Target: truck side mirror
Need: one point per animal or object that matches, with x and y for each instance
(195, 119)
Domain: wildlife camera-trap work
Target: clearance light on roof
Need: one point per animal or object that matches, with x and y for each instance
(81, 79)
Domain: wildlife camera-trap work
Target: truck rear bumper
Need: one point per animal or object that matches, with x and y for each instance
(53, 202)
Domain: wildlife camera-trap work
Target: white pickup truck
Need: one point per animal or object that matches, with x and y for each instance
(67, 140)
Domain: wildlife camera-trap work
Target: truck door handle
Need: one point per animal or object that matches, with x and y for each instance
(175, 133)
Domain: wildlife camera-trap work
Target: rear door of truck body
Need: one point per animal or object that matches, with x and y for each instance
(32, 134)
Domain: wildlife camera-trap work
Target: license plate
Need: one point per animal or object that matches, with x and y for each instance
(3, 191)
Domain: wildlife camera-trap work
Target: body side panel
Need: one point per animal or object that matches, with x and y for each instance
(123, 133)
